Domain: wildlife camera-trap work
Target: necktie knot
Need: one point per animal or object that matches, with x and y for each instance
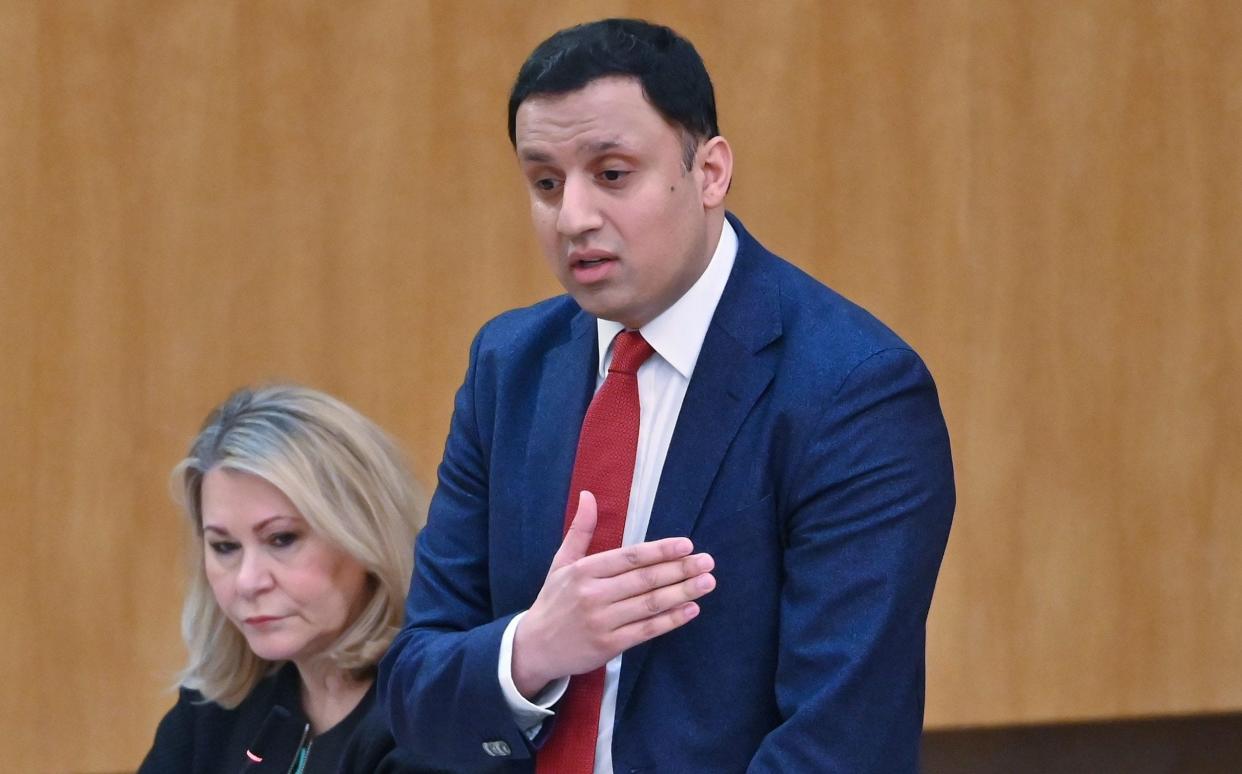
(629, 351)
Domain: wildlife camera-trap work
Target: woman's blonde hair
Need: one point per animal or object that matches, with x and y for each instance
(349, 482)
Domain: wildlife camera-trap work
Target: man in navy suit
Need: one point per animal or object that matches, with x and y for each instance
(792, 487)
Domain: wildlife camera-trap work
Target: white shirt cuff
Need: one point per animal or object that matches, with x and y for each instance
(529, 715)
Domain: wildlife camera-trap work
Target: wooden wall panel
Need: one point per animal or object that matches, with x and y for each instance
(1042, 198)
(1093, 387)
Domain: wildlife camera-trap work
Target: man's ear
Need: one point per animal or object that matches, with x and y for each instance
(716, 163)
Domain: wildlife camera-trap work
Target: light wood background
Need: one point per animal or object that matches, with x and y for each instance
(1043, 197)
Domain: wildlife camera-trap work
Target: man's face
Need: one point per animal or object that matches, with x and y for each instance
(622, 223)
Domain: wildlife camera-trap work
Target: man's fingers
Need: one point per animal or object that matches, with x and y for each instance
(665, 598)
(606, 564)
(578, 536)
(649, 628)
(641, 580)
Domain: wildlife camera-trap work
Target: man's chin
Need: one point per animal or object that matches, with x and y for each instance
(604, 304)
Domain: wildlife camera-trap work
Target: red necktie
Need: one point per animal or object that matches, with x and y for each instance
(604, 466)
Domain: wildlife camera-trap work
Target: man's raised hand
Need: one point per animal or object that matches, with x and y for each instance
(592, 608)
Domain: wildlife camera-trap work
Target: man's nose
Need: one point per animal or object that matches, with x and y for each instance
(579, 213)
(253, 574)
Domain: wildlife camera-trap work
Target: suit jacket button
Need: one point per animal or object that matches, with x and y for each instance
(497, 748)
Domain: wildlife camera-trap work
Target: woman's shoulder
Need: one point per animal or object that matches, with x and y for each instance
(180, 734)
(279, 687)
(198, 732)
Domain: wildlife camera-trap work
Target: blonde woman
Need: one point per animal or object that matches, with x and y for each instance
(301, 514)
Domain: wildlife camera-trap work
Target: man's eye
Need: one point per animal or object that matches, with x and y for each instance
(545, 184)
(613, 175)
(222, 547)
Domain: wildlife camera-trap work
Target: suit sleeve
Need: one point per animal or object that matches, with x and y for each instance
(866, 518)
(438, 683)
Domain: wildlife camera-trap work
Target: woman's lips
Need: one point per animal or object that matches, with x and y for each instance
(260, 620)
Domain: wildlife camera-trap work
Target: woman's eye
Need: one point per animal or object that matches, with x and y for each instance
(282, 539)
(223, 547)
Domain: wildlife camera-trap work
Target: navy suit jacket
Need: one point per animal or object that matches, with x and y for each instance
(810, 459)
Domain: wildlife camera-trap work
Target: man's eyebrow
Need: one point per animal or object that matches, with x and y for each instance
(597, 148)
(602, 146)
(538, 157)
(611, 147)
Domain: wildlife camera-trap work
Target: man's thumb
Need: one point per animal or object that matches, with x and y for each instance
(578, 536)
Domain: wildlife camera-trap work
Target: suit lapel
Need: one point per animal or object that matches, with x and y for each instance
(567, 382)
(731, 373)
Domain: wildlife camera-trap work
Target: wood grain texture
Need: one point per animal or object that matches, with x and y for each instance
(1043, 198)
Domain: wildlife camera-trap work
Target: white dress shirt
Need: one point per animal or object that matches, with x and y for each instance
(677, 337)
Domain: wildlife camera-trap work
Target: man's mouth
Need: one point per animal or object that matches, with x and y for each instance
(591, 266)
(588, 258)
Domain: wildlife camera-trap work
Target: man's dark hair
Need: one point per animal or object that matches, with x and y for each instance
(670, 71)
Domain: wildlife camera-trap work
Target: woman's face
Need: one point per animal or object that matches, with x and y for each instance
(289, 591)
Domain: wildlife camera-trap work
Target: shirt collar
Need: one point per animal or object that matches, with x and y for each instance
(677, 333)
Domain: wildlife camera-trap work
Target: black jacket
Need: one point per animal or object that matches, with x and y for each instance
(199, 737)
